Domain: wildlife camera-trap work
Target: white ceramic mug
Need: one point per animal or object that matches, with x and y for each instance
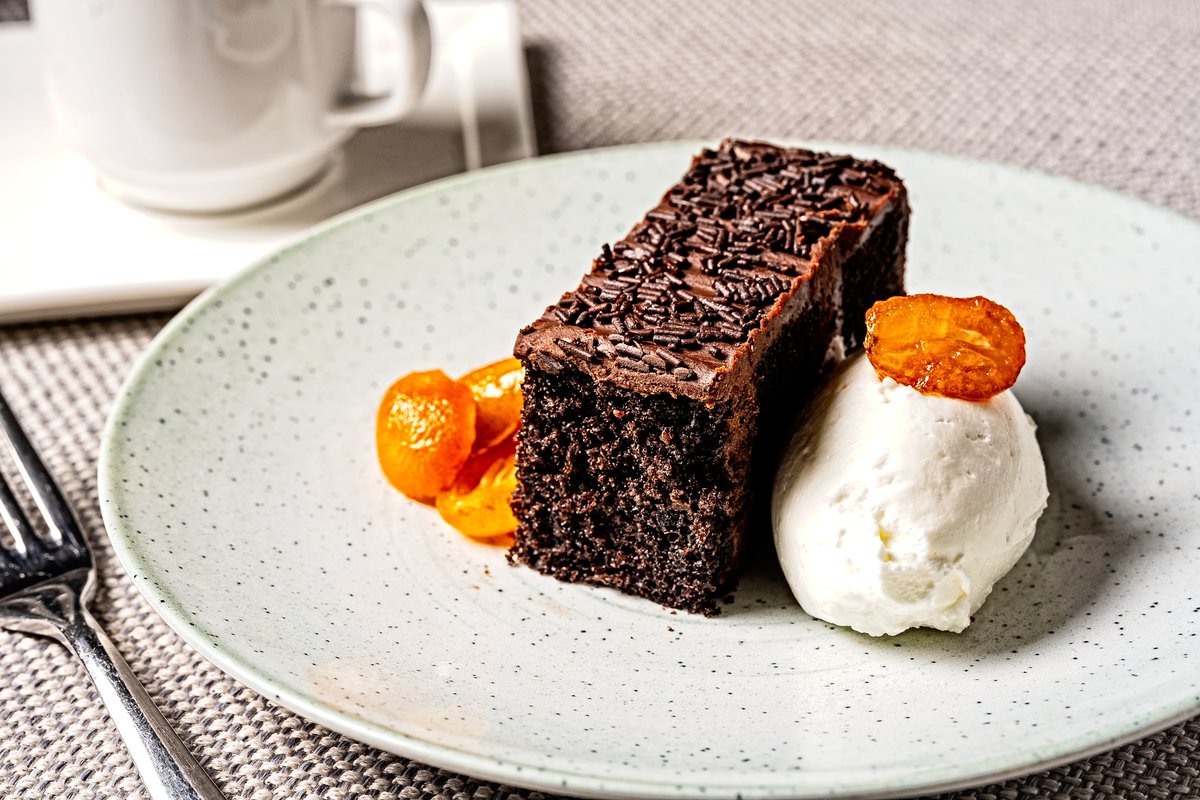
(212, 105)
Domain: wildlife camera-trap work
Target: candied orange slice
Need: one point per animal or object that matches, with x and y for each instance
(497, 392)
(963, 347)
(477, 502)
(423, 432)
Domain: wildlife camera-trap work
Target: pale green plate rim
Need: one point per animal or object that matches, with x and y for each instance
(931, 781)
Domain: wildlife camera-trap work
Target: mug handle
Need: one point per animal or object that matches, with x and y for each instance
(411, 24)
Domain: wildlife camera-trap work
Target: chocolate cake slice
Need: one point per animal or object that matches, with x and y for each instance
(658, 392)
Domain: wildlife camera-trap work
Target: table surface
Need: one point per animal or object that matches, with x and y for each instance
(1101, 92)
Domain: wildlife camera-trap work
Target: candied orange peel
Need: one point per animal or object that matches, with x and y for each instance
(476, 503)
(497, 392)
(969, 348)
(424, 431)
(453, 444)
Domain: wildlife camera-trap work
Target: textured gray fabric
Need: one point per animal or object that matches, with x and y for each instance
(13, 11)
(1102, 92)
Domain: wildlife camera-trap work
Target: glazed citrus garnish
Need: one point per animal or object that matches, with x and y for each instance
(497, 391)
(423, 432)
(963, 347)
(453, 443)
(477, 502)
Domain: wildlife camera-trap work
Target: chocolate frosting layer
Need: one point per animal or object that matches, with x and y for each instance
(673, 305)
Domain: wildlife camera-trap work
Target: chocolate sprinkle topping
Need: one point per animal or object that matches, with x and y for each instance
(695, 279)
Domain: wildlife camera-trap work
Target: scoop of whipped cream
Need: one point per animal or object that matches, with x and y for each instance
(893, 509)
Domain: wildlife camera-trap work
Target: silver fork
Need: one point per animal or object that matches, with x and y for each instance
(45, 585)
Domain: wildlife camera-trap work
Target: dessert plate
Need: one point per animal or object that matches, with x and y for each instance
(239, 485)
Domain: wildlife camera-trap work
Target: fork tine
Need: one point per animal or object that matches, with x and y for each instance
(16, 565)
(46, 590)
(60, 519)
(14, 519)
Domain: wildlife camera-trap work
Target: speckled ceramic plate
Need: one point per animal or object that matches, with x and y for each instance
(239, 484)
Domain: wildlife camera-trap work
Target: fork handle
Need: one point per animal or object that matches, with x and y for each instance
(168, 769)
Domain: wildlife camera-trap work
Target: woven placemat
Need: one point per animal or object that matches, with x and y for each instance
(1101, 92)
